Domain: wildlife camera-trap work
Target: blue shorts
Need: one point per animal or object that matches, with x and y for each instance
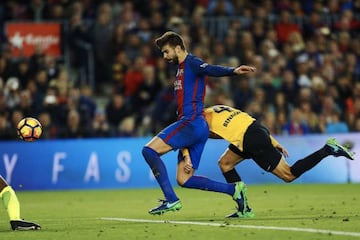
(185, 133)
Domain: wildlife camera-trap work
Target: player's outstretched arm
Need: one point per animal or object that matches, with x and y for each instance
(244, 69)
(202, 68)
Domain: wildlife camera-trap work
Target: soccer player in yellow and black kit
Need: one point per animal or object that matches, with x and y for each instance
(249, 139)
(12, 206)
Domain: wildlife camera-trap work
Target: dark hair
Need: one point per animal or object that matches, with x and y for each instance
(171, 38)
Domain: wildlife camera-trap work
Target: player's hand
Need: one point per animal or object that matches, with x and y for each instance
(282, 150)
(188, 165)
(244, 69)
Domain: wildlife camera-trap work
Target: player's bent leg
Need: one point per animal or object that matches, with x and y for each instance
(151, 153)
(12, 206)
(283, 171)
(10, 202)
(243, 208)
(167, 206)
(158, 145)
(228, 160)
(181, 175)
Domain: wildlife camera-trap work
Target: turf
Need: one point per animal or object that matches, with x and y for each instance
(77, 215)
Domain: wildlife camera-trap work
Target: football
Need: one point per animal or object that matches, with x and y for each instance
(29, 129)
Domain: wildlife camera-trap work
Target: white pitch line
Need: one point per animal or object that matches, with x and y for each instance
(294, 229)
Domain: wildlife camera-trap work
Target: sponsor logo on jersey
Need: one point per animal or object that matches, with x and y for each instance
(179, 72)
(177, 85)
(227, 121)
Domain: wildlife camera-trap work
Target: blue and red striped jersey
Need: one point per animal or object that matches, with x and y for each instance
(190, 84)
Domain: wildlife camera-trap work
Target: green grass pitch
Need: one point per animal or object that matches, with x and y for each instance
(283, 211)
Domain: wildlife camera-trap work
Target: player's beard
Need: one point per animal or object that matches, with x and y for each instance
(174, 60)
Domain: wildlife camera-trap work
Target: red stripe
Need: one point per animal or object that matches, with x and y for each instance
(180, 98)
(204, 92)
(176, 130)
(194, 98)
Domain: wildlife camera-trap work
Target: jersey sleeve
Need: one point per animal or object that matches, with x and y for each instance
(274, 142)
(200, 67)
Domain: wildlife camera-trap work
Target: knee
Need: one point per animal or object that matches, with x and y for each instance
(144, 151)
(147, 153)
(225, 165)
(288, 177)
(181, 180)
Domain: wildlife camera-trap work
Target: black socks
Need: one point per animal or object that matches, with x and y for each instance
(232, 176)
(308, 162)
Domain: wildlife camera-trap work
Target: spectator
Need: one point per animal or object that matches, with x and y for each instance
(335, 124)
(302, 71)
(157, 23)
(311, 118)
(269, 121)
(163, 108)
(15, 118)
(242, 94)
(220, 8)
(81, 100)
(120, 67)
(12, 93)
(38, 10)
(357, 125)
(102, 35)
(268, 88)
(127, 127)
(37, 59)
(347, 22)
(100, 125)
(314, 25)
(6, 132)
(6, 65)
(22, 72)
(146, 93)
(42, 83)
(296, 125)
(303, 48)
(133, 46)
(49, 130)
(281, 104)
(289, 86)
(134, 76)
(73, 127)
(116, 110)
(25, 103)
(219, 53)
(143, 30)
(285, 26)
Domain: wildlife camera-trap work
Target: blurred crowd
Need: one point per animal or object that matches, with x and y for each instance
(307, 55)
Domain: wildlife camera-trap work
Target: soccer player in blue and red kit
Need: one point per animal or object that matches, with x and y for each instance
(190, 131)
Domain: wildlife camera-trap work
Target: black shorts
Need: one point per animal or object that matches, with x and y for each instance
(257, 146)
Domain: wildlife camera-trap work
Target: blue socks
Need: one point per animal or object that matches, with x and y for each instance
(159, 170)
(196, 182)
(206, 184)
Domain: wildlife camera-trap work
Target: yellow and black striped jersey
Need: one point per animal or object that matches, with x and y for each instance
(228, 123)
